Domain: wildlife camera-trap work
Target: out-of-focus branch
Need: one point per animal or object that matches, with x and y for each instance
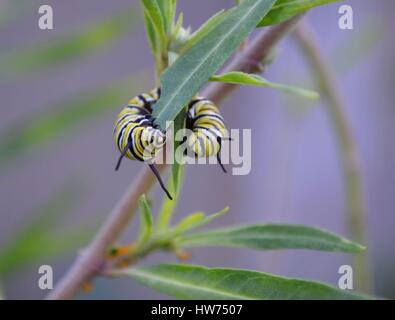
(249, 60)
(92, 258)
(348, 153)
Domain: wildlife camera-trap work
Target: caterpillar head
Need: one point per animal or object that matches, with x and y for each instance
(153, 141)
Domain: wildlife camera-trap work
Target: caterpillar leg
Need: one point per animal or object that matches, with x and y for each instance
(123, 153)
(220, 162)
(219, 139)
(153, 168)
(157, 175)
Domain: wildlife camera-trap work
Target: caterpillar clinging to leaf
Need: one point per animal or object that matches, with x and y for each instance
(138, 137)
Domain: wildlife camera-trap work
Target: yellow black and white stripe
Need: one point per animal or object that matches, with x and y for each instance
(139, 138)
(136, 135)
(208, 127)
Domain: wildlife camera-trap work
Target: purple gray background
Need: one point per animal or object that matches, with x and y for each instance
(295, 175)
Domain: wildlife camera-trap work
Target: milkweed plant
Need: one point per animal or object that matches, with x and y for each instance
(185, 62)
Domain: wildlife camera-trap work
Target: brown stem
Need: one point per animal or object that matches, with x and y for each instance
(348, 153)
(92, 259)
(249, 59)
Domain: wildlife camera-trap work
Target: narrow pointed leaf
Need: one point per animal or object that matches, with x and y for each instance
(181, 81)
(153, 12)
(196, 220)
(286, 9)
(196, 282)
(209, 218)
(145, 219)
(209, 25)
(168, 10)
(270, 237)
(187, 223)
(241, 78)
(151, 34)
(179, 23)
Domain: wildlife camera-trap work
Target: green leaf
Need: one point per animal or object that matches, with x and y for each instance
(236, 77)
(168, 11)
(179, 37)
(286, 9)
(196, 282)
(178, 41)
(270, 237)
(209, 218)
(179, 23)
(195, 220)
(151, 34)
(200, 33)
(39, 56)
(154, 13)
(181, 81)
(188, 223)
(145, 220)
(60, 119)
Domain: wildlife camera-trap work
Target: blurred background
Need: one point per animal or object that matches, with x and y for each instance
(61, 90)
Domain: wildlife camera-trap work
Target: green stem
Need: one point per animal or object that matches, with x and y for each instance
(157, 243)
(350, 162)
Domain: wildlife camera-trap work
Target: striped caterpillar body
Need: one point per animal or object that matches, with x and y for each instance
(135, 131)
(208, 127)
(139, 138)
(136, 135)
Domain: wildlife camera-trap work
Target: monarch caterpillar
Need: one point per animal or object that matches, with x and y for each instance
(208, 128)
(138, 137)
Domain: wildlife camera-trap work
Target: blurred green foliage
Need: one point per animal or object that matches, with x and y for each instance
(64, 116)
(357, 47)
(354, 50)
(38, 56)
(60, 119)
(41, 238)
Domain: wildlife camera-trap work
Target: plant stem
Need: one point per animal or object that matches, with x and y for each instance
(249, 59)
(89, 263)
(348, 153)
